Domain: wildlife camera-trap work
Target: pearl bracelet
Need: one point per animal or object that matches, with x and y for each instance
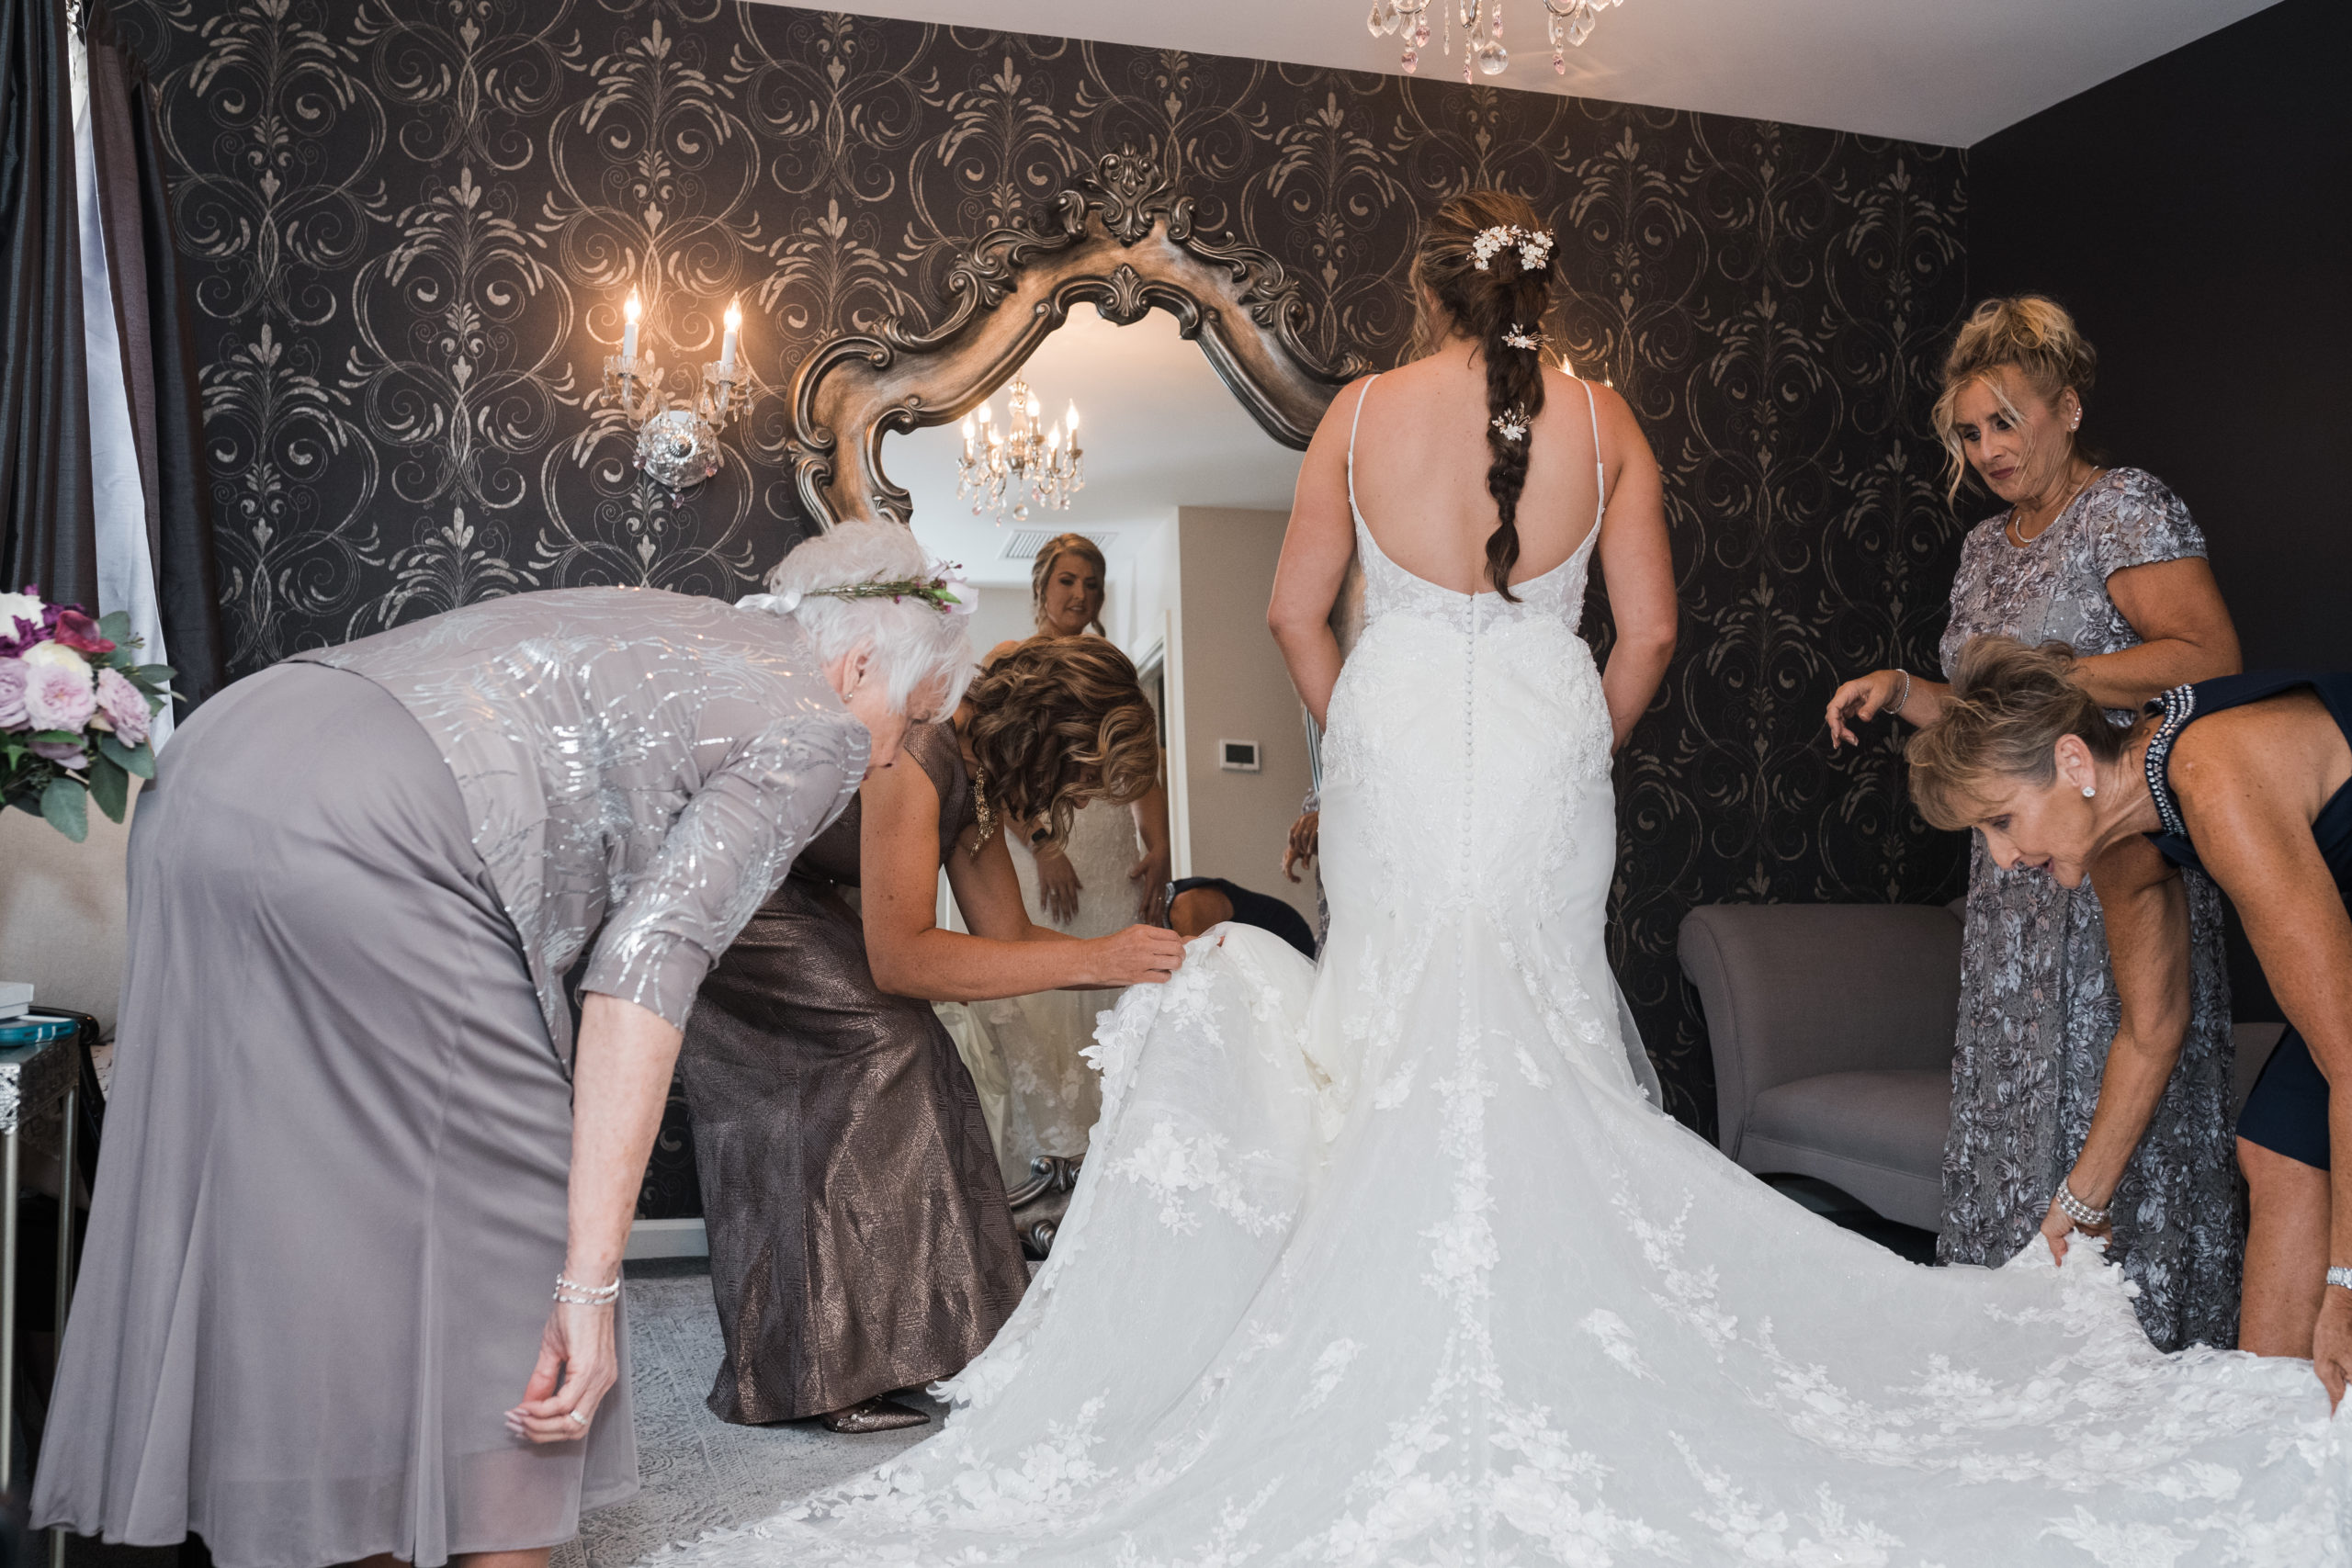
(2340, 1276)
(572, 1293)
(2075, 1208)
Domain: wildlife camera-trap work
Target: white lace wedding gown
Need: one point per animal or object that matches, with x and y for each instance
(1391, 1263)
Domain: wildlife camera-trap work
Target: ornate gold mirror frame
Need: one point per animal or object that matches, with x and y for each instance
(1123, 241)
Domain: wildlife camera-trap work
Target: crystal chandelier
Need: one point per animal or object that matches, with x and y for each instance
(1017, 462)
(1569, 22)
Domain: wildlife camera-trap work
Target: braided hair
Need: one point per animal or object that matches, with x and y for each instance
(1489, 291)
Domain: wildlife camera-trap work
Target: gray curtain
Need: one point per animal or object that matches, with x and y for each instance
(155, 321)
(46, 532)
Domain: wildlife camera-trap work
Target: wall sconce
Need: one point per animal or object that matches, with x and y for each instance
(676, 442)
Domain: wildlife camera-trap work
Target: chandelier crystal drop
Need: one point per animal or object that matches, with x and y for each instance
(1007, 468)
(1567, 23)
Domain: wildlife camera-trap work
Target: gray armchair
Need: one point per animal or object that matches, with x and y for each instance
(1832, 1027)
(1832, 1030)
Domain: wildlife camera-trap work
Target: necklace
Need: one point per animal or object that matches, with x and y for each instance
(2016, 536)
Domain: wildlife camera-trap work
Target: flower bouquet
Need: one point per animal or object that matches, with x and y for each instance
(74, 707)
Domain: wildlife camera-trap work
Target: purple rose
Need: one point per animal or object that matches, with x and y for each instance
(124, 706)
(68, 753)
(58, 696)
(13, 678)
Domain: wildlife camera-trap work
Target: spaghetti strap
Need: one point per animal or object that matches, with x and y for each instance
(1354, 511)
(1599, 475)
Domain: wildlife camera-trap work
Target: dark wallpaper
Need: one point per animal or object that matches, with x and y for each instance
(411, 226)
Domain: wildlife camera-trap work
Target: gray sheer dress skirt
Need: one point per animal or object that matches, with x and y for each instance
(331, 1202)
(2038, 1008)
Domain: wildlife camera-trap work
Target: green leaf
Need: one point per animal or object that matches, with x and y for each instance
(155, 674)
(67, 805)
(139, 758)
(63, 737)
(110, 787)
(115, 626)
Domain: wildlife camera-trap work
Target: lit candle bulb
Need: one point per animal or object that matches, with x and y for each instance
(727, 347)
(1566, 369)
(1073, 423)
(628, 330)
(984, 417)
(967, 435)
(1032, 405)
(1053, 439)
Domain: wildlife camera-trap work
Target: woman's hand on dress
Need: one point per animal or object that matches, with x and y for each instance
(1058, 883)
(2057, 1226)
(1863, 698)
(1139, 956)
(1151, 896)
(2332, 1343)
(579, 1363)
(1306, 839)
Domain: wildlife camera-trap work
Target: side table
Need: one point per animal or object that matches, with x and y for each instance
(32, 1078)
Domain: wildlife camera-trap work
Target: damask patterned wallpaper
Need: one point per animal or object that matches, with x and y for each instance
(412, 221)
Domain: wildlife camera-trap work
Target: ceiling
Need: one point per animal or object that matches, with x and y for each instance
(1923, 70)
(1160, 431)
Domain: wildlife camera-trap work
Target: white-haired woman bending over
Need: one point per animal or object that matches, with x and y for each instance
(355, 1144)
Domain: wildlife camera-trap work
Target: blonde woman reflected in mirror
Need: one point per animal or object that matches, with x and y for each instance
(1107, 868)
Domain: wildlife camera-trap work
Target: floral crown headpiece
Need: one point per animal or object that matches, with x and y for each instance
(942, 589)
(1534, 246)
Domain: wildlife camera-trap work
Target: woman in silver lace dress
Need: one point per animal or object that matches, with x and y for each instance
(352, 1150)
(2108, 561)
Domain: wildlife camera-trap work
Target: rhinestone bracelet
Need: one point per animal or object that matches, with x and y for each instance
(2340, 1276)
(2075, 1208)
(572, 1293)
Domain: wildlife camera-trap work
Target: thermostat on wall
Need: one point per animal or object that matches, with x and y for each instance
(1237, 756)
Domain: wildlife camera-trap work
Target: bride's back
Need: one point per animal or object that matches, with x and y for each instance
(1421, 455)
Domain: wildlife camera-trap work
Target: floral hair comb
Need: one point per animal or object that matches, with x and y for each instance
(1519, 337)
(1534, 246)
(1512, 423)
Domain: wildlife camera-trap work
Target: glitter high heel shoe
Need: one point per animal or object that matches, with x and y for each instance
(876, 1414)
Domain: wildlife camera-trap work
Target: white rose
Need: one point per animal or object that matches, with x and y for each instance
(60, 655)
(19, 606)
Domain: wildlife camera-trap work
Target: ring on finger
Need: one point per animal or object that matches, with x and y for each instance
(577, 1419)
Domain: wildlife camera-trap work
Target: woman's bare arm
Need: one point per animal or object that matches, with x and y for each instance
(899, 867)
(1316, 547)
(1639, 564)
(2145, 907)
(1150, 873)
(2185, 629)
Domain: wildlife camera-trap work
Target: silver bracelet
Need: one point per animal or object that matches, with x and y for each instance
(2075, 1208)
(1894, 709)
(573, 1292)
(2340, 1276)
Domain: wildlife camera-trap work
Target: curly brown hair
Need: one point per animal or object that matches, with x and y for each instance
(2009, 704)
(1058, 722)
(1483, 304)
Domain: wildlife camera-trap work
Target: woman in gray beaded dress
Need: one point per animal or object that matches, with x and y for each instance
(2107, 561)
(352, 1148)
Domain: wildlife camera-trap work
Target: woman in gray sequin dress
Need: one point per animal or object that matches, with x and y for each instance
(860, 1240)
(2108, 561)
(351, 1145)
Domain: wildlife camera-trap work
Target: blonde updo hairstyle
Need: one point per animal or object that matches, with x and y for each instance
(1058, 722)
(2009, 705)
(915, 644)
(1482, 305)
(2025, 333)
(1062, 544)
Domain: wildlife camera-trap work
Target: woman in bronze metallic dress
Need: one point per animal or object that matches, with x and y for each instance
(860, 1240)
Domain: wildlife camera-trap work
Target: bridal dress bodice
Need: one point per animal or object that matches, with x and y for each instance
(1391, 1261)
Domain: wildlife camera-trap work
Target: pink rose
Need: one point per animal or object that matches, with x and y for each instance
(59, 697)
(124, 706)
(80, 633)
(12, 676)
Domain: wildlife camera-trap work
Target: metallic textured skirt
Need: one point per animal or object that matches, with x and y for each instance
(859, 1236)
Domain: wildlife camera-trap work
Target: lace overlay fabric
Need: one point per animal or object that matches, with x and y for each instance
(2038, 1003)
(1390, 1262)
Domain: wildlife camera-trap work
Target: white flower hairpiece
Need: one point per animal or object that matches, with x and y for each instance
(1534, 246)
(1519, 337)
(1512, 423)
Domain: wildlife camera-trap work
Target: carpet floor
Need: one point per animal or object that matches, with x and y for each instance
(700, 1474)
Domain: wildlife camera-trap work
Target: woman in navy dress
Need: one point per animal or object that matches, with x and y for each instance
(2246, 780)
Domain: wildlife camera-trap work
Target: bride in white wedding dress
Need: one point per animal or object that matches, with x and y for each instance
(1392, 1263)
